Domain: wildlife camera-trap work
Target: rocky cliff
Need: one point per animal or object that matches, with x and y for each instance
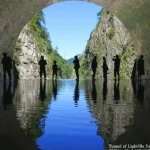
(27, 55)
(32, 43)
(110, 37)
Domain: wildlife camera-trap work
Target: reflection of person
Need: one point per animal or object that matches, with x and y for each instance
(105, 68)
(42, 90)
(76, 94)
(42, 64)
(116, 60)
(55, 68)
(116, 92)
(55, 89)
(94, 66)
(105, 90)
(134, 70)
(141, 70)
(140, 93)
(94, 92)
(76, 66)
(7, 95)
(134, 87)
(7, 66)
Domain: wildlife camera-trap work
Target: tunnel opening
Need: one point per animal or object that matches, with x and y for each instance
(112, 38)
(133, 14)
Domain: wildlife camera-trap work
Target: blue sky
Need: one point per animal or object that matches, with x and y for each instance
(70, 24)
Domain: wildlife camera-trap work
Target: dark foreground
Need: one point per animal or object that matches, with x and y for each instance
(66, 115)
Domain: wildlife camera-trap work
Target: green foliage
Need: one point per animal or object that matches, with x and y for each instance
(100, 13)
(40, 33)
(65, 69)
(44, 44)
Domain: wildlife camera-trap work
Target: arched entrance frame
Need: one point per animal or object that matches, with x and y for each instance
(14, 14)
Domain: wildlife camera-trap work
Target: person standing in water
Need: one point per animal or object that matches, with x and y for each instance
(42, 64)
(94, 67)
(116, 60)
(55, 68)
(7, 66)
(105, 68)
(141, 69)
(76, 66)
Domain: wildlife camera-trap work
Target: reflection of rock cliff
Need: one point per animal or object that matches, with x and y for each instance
(111, 117)
(109, 38)
(30, 108)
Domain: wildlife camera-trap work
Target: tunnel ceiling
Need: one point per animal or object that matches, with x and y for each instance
(135, 14)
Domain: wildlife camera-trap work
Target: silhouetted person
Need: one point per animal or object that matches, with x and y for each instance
(7, 66)
(76, 94)
(140, 93)
(134, 70)
(42, 64)
(55, 89)
(42, 90)
(55, 69)
(94, 66)
(76, 66)
(94, 93)
(116, 60)
(7, 95)
(116, 92)
(105, 68)
(105, 90)
(141, 69)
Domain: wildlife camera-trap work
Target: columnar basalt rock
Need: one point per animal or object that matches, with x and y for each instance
(14, 14)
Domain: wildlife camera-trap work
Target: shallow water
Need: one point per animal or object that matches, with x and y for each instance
(70, 115)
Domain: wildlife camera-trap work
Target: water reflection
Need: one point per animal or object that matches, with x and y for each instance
(42, 90)
(140, 92)
(7, 95)
(54, 89)
(76, 94)
(105, 90)
(94, 92)
(116, 91)
(39, 122)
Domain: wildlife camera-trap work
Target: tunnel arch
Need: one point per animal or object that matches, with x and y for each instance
(16, 13)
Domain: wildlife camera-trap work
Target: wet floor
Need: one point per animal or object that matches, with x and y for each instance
(70, 115)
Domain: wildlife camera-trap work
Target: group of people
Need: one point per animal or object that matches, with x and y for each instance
(43, 63)
(139, 65)
(116, 59)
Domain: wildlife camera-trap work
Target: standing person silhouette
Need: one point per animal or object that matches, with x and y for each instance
(94, 67)
(116, 60)
(7, 66)
(55, 68)
(76, 66)
(141, 70)
(42, 64)
(133, 76)
(105, 68)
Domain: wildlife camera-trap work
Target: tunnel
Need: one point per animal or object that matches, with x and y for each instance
(134, 14)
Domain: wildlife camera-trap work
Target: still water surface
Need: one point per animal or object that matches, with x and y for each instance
(70, 115)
